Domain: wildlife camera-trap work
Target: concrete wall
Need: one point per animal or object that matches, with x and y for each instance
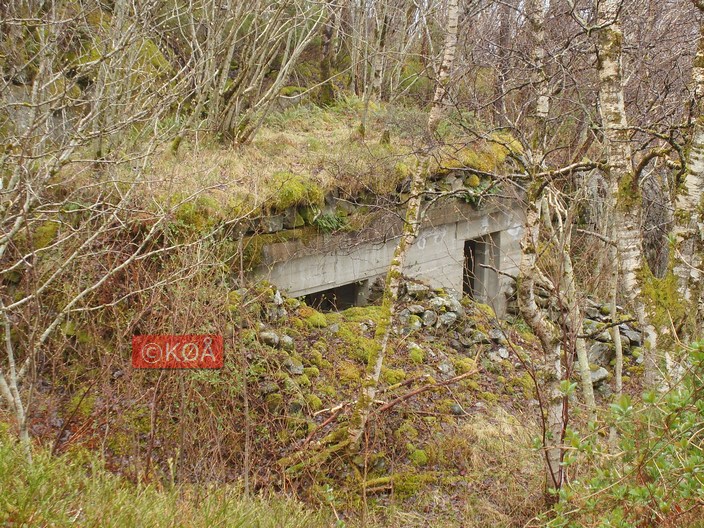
(436, 257)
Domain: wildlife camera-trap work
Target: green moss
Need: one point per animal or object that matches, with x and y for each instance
(326, 390)
(312, 317)
(45, 234)
(294, 190)
(355, 345)
(314, 402)
(83, 409)
(253, 246)
(290, 91)
(409, 484)
(303, 380)
(139, 419)
(524, 383)
(406, 431)
(361, 314)
(463, 365)
(629, 196)
(392, 376)
(120, 443)
(197, 216)
(419, 457)
(416, 355)
(311, 372)
(274, 402)
(348, 372)
(664, 302)
(489, 397)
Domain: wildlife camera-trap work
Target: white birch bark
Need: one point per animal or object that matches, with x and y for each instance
(410, 233)
(448, 60)
(624, 195)
(689, 226)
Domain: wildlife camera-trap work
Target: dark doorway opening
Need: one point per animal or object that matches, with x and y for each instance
(481, 262)
(469, 282)
(334, 299)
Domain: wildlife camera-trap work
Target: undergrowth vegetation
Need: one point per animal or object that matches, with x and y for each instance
(76, 490)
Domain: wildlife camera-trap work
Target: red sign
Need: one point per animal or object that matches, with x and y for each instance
(177, 351)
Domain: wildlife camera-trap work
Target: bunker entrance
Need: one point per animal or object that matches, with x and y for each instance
(340, 297)
(481, 262)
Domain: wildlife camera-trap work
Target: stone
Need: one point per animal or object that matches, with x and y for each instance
(415, 309)
(592, 329)
(498, 336)
(294, 367)
(269, 338)
(480, 338)
(293, 219)
(454, 294)
(278, 300)
(334, 328)
(494, 357)
(429, 318)
(503, 353)
(605, 390)
(271, 224)
(446, 368)
(599, 375)
(634, 336)
(466, 341)
(417, 291)
(592, 312)
(456, 409)
(268, 387)
(287, 342)
(454, 306)
(447, 319)
(436, 303)
(403, 316)
(601, 354)
(456, 345)
(414, 323)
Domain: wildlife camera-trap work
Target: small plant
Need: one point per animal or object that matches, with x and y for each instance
(330, 222)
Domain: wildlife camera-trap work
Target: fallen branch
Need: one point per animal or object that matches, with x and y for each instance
(422, 389)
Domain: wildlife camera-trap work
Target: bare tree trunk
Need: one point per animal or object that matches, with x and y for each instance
(689, 227)
(502, 67)
(624, 194)
(448, 60)
(327, 93)
(410, 232)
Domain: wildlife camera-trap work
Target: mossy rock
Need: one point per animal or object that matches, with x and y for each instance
(45, 234)
(294, 190)
(311, 372)
(314, 402)
(463, 365)
(348, 372)
(419, 457)
(392, 376)
(312, 318)
(416, 355)
(274, 402)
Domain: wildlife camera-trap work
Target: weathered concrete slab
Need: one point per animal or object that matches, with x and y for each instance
(438, 255)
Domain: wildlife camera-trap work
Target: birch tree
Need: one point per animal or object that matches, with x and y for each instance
(624, 198)
(408, 236)
(689, 228)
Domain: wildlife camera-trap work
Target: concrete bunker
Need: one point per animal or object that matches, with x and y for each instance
(460, 247)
